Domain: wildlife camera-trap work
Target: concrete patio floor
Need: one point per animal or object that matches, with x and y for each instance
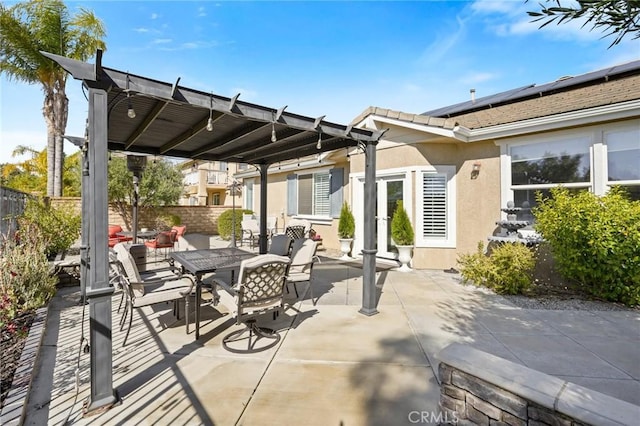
(333, 365)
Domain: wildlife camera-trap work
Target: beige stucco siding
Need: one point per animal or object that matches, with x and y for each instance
(477, 198)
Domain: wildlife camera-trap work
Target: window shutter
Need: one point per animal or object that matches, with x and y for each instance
(336, 179)
(434, 206)
(292, 195)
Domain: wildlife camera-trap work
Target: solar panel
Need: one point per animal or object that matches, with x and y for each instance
(532, 90)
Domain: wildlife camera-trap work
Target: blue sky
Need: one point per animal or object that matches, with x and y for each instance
(323, 58)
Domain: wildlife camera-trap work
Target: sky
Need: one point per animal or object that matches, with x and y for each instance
(322, 58)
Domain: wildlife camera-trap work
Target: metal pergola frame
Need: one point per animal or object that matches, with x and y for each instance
(171, 120)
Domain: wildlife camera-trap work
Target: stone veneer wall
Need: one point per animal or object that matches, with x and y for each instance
(482, 389)
(200, 219)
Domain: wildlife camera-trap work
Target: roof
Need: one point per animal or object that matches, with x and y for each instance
(532, 91)
(611, 86)
(172, 120)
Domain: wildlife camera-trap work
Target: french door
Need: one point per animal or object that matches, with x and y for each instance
(390, 189)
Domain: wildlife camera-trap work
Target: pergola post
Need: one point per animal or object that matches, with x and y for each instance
(262, 239)
(95, 212)
(369, 294)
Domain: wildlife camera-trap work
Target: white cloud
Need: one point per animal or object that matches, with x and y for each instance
(509, 18)
(202, 12)
(141, 30)
(477, 77)
(154, 16)
(436, 51)
(162, 41)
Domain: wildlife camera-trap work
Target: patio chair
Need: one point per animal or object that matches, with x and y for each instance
(303, 254)
(140, 292)
(294, 232)
(250, 231)
(272, 225)
(280, 245)
(114, 238)
(164, 240)
(301, 222)
(180, 231)
(259, 290)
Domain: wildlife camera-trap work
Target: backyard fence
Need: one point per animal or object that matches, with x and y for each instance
(12, 204)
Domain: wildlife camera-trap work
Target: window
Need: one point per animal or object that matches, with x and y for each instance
(315, 194)
(623, 159)
(215, 200)
(435, 224)
(592, 158)
(222, 166)
(248, 194)
(243, 166)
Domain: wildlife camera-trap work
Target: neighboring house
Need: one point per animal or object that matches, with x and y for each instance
(206, 183)
(456, 166)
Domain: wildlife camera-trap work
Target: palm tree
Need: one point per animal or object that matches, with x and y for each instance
(33, 26)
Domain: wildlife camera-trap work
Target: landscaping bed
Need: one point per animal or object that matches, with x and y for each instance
(14, 337)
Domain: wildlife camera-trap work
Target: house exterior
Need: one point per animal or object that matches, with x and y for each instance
(457, 166)
(206, 183)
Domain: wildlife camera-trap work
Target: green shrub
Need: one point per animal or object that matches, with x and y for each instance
(59, 228)
(595, 241)
(166, 221)
(25, 277)
(346, 223)
(508, 270)
(401, 228)
(225, 223)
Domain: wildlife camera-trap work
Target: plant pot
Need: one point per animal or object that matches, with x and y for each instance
(345, 248)
(404, 256)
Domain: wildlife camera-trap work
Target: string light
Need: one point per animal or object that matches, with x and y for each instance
(273, 132)
(210, 120)
(131, 113)
(319, 144)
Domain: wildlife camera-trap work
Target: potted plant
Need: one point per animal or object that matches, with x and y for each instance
(402, 235)
(346, 231)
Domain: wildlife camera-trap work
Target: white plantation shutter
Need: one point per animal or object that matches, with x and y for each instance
(321, 202)
(434, 205)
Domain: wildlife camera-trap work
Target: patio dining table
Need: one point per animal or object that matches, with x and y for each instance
(142, 235)
(200, 262)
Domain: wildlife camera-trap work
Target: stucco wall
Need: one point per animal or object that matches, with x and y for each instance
(477, 198)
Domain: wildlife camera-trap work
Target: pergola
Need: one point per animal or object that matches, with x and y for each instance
(171, 120)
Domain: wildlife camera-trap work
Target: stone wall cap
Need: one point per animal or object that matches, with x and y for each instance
(578, 402)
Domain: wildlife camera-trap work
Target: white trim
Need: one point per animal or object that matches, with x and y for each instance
(590, 116)
(582, 117)
(598, 157)
(451, 219)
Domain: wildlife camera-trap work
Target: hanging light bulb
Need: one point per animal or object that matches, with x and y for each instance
(319, 144)
(210, 120)
(273, 132)
(131, 113)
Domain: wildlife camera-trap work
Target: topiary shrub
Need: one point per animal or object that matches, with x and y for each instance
(225, 223)
(508, 270)
(346, 223)
(58, 228)
(595, 241)
(401, 229)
